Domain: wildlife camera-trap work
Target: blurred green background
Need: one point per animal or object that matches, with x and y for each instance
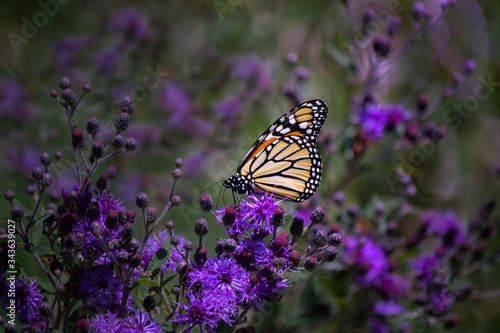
(220, 71)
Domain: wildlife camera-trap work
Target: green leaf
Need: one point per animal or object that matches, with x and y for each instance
(160, 258)
(35, 233)
(40, 220)
(37, 249)
(144, 282)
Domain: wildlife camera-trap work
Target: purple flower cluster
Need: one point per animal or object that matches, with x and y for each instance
(250, 266)
(373, 119)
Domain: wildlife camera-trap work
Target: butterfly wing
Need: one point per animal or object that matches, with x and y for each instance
(305, 120)
(284, 160)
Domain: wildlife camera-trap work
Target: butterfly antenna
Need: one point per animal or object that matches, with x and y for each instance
(203, 191)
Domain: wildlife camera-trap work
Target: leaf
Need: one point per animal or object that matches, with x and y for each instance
(144, 282)
(35, 233)
(40, 220)
(160, 258)
(37, 249)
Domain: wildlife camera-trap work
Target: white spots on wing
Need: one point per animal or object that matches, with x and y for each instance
(286, 130)
(303, 125)
(292, 120)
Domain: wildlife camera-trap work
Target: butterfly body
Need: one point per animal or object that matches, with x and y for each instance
(285, 161)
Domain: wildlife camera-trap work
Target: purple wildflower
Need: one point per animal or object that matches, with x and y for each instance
(66, 52)
(204, 310)
(255, 212)
(13, 101)
(106, 322)
(252, 253)
(446, 225)
(28, 299)
(101, 289)
(374, 119)
(394, 285)
(175, 101)
(440, 302)
(366, 254)
(251, 68)
(387, 308)
(140, 322)
(228, 108)
(130, 22)
(424, 267)
(105, 60)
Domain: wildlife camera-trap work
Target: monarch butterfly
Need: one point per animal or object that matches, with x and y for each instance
(285, 160)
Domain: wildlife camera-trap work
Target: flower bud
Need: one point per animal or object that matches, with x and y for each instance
(45, 309)
(122, 121)
(181, 267)
(382, 46)
(31, 189)
(87, 88)
(69, 97)
(46, 180)
(65, 83)
(58, 155)
(102, 182)
(149, 303)
(353, 211)
(9, 195)
(66, 224)
(206, 202)
(334, 239)
(45, 159)
(78, 138)
(297, 227)
(394, 25)
(176, 201)
(127, 232)
(318, 215)
(169, 225)
(188, 245)
(422, 102)
(219, 246)
(230, 246)
(320, 238)
(135, 259)
(201, 227)
(175, 240)
(311, 264)
(37, 173)
(200, 256)
(277, 217)
(127, 104)
(330, 253)
(178, 162)
(132, 245)
(470, 66)
(93, 126)
(177, 173)
(418, 10)
(111, 221)
(142, 200)
(118, 142)
(53, 93)
(96, 229)
(122, 257)
(130, 144)
(151, 214)
(97, 149)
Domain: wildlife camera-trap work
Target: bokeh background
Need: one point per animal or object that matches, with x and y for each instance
(209, 76)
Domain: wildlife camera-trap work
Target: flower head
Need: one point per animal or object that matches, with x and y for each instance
(28, 299)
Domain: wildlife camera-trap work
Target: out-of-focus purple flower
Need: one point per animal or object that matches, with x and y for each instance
(228, 108)
(106, 322)
(377, 326)
(101, 289)
(194, 162)
(387, 308)
(130, 22)
(144, 134)
(66, 52)
(394, 285)
(251, 68)
(447, 225)
(374, 119)
(13, 101)
(21, 158)
(372, 122)
(197, 127)
(105, 60)
(441, 301)
(28, 299)
(140, 322)
(368, 256)
(175, 101)
(424, 267)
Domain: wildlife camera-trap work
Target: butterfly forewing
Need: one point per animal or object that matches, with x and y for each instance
(285, 161)
(305, 120)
